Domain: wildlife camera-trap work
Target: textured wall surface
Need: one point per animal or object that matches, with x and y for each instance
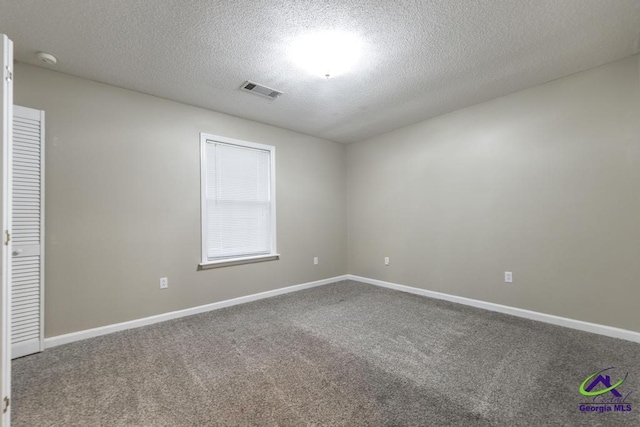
(543, 183)
(123, 203)
(420, 59)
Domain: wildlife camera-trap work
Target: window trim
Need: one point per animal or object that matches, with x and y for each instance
(205, 262)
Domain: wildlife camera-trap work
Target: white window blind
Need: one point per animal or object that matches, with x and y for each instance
(238, 203)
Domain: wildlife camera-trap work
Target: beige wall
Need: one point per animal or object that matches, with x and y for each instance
(123, 203)
(544, 183)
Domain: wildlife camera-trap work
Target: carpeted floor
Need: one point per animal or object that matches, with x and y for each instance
(346, 354)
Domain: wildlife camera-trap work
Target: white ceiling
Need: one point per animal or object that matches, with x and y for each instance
(421, 59)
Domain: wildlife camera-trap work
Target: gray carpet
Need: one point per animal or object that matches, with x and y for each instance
(346, 354)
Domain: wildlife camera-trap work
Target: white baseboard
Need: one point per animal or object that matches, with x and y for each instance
(103, 330)
(595, 328)
(518, 312)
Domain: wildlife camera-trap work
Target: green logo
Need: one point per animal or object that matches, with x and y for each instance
(605, 380)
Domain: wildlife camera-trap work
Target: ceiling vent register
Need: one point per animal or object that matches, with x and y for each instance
(261, 90)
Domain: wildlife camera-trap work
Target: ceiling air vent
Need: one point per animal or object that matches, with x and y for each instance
(260, 90)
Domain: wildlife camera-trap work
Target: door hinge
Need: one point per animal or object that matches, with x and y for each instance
(9, 74)
(6, 404)
(7, 237)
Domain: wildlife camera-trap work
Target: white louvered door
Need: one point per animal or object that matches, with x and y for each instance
(27, 234)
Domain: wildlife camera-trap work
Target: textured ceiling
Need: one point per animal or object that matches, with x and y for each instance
(421, 58)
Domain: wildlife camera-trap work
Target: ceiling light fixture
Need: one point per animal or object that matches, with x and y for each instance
(326, 54)
(47, 58)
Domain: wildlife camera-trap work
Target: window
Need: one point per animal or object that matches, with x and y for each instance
(238, 201)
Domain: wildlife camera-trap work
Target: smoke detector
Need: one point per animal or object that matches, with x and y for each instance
(46, 58)
(261, 90)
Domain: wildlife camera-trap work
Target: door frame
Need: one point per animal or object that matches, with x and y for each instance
(6, 127)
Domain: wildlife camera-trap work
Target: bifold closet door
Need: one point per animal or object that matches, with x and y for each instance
(27, 234)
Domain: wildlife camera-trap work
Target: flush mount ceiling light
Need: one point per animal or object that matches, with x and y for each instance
(326, 54)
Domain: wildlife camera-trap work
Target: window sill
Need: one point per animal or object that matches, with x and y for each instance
(237, 261)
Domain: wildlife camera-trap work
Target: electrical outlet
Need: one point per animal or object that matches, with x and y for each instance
(386, 260)
(315, 260)
(508, 277)
(164, 283)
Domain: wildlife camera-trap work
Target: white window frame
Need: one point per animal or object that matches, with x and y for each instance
(206, 262)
